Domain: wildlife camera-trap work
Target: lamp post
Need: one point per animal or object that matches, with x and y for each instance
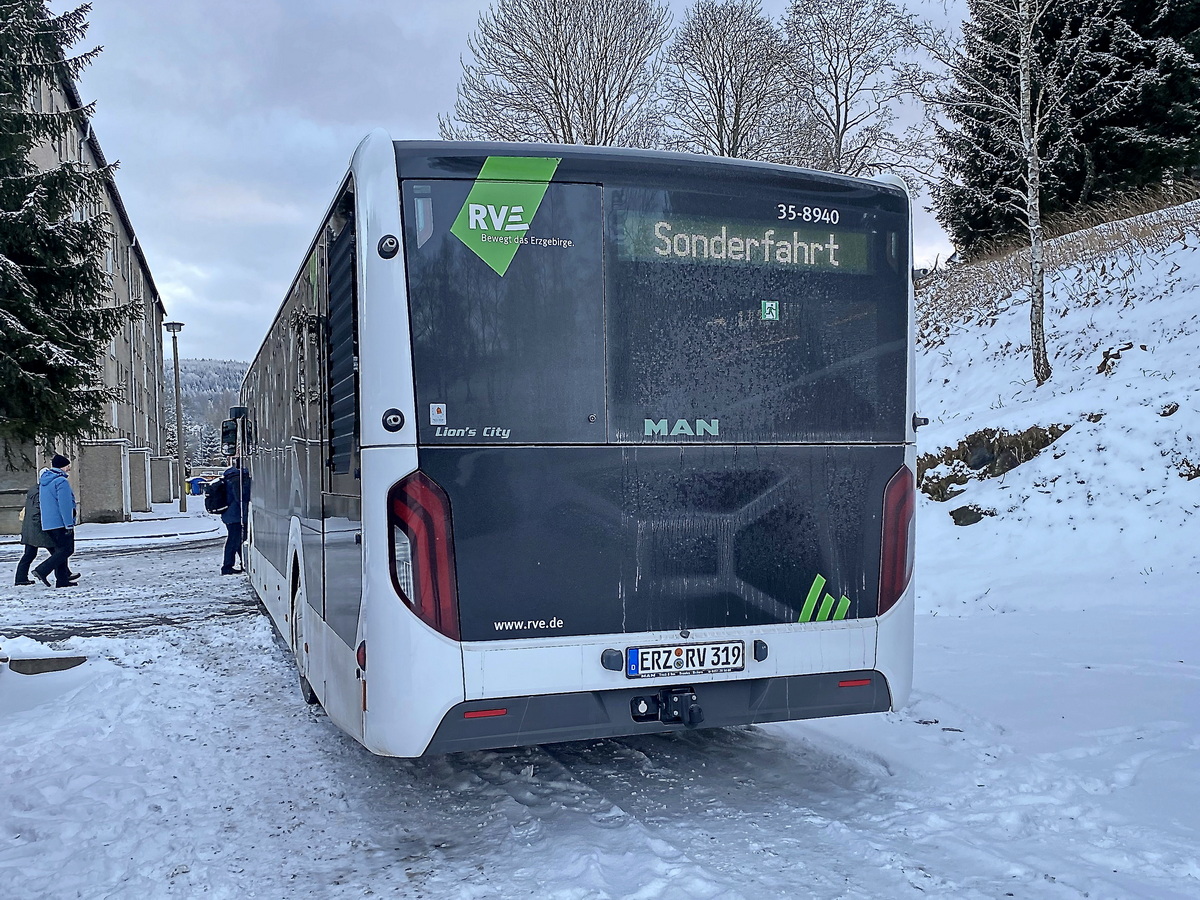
(175, 328)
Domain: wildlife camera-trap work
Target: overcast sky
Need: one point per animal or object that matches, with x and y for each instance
(234, 121)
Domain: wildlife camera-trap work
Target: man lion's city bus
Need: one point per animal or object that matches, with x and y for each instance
(557, 442)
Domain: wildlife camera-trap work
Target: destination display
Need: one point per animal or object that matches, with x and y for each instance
(780, 244)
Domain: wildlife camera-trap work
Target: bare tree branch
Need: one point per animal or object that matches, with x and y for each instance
(852, 71)
(583, 72)
(725, 87)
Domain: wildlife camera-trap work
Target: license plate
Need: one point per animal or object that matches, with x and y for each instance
(685, 659)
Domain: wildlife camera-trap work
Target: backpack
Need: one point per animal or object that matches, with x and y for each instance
(216, 497)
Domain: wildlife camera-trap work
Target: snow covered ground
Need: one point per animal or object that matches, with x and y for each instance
(1051, 749)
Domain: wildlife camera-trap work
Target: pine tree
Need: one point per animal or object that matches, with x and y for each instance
(1153, 133)
(973, 199)
(1133, 120)
(209, 451)
(57, 310)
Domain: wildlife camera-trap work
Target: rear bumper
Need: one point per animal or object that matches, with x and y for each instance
(545, 719)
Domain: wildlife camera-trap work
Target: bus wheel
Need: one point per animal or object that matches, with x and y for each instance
(306, 691)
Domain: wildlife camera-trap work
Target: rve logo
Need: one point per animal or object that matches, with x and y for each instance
(506, 218)
(501, 206)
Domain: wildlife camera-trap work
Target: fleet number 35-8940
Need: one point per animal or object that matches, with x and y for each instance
(791, 213)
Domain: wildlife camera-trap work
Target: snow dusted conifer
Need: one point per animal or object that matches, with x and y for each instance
(1152, 133)
(57, 313)
(208, 388)
(1016, 103)
(1134, 119)
(970, 200)
(209, 451)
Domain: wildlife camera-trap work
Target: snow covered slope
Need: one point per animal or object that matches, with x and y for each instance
(1118, 493)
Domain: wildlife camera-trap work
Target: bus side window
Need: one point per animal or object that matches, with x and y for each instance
(423, 208)
(895, 251)
(343, 353)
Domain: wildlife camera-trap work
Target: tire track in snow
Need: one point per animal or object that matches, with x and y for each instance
(517, 823)
(775, 817)
(787, 813)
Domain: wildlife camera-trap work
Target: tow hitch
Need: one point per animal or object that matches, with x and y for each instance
(671, 706)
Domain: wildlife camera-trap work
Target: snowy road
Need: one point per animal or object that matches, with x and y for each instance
(125, 590)
(181, 762)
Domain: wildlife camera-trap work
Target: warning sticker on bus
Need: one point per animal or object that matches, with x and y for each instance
(685, 659)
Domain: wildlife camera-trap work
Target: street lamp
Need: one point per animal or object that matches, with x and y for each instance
(175, 328)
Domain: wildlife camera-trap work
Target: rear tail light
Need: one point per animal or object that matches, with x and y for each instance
(896, 558)
(855, 682)
(423, 552)
(484, 713)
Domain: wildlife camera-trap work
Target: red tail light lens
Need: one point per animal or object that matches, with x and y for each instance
(896, 562)
(423, 552)
(484, 713)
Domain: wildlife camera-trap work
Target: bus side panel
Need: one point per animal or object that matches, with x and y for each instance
(276, 488)
(340, 691)
(894, 653)
(271, 586)
(894, 657)
(413, 675)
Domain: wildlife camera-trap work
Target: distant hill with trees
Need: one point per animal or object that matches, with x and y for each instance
(207, 387)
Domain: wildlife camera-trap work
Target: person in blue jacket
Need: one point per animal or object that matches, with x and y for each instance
(58, 521)
(235, 516)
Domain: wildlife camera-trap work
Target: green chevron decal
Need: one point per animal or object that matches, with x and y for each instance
(829, 605)
(494, 221)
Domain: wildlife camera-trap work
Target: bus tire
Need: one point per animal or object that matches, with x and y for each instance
(298, 646)
(306, 691)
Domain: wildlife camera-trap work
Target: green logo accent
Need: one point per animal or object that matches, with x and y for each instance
(494, 221)
(770, 310)
(827, 604)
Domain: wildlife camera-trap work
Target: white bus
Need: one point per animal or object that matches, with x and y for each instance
(557, 442)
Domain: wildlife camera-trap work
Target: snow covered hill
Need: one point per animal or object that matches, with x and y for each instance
(1118, 491)
(207, 387)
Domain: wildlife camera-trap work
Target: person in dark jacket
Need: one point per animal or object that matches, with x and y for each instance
(57, 501)
(235, 517)
(32, 535)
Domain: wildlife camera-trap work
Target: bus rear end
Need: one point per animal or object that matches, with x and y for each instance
(664, 465)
